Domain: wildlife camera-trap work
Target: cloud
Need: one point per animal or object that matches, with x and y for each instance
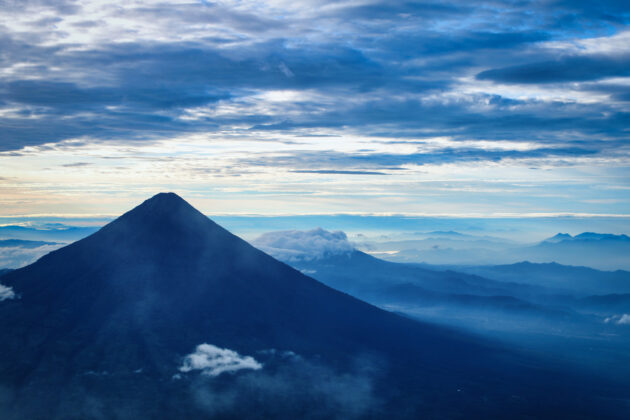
(623, 319)
(6, 293)
(383, 163)
(66, 79)
(295, 245)
(76, 164)
(213, 361)
(292, 386)
(125, 75)
(19, 256)
(337, 172)
(565, 69)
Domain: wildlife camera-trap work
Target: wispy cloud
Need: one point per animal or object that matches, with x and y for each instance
(19, 256)
(6, 293)
(294, 382)
(623, 319)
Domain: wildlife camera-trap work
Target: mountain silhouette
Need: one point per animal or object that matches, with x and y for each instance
(102, 328)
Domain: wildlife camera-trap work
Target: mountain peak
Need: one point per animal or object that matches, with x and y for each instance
(559, 237)
(165, 197)
(587, 237)
(164, 206)
(163, 200)
(163, 220)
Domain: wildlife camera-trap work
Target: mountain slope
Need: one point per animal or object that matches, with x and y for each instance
(572, 279)
(597, 250)
(358, 271)
(102, 327)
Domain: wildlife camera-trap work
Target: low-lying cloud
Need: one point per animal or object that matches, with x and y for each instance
(213, 361)
(18, 256)
(6, 293)
(623, 319)
(292, 386)
(299, 245)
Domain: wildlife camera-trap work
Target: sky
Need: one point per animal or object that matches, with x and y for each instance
(454, 108)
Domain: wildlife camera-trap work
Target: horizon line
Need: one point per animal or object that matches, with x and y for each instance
(499, 215)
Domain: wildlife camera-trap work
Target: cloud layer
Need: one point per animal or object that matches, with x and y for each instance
(17, 256)
(317, 102)
(296, 245)
(224, 64)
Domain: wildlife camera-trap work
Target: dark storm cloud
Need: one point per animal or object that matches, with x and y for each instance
(375, 68)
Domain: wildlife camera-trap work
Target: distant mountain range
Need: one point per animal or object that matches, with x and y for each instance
(587, 237)
(164, 314)
(565, 312)
(397, 285)
(589, 249)
(21, 243)
(50, 232)
(597, 250)
(574, 280)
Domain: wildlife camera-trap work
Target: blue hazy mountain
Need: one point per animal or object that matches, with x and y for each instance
(602, 251)
(164, 314)
(575, 280)
(56, 232)
(421, 290)
(21, 243)
(560, 312)
(607, 304)
(597, 250)
(358, 273)
(588, 237)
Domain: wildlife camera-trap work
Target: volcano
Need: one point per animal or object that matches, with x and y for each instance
(162, 313)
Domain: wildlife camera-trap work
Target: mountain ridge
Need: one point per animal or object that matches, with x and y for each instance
(146, 290)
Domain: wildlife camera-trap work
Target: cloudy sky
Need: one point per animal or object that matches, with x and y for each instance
(485, 108)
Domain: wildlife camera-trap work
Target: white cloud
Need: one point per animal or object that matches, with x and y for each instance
(16, 257)
(294, 245)
(623, 319)
(213, 361)
(6, 293)
(615, 44)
